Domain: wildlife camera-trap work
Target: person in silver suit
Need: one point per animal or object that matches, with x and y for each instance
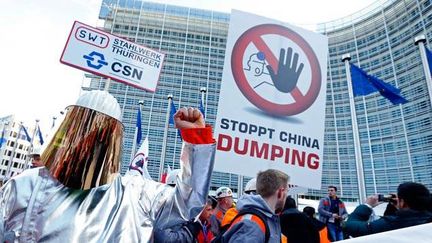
(79, 195)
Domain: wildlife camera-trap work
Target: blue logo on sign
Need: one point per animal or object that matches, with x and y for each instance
(95, 60)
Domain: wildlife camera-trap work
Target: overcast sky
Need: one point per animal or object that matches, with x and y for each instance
(35, 85)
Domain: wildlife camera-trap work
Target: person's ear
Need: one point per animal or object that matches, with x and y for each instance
(280, 193)
(401, 203)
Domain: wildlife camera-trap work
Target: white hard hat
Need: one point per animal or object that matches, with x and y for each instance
(171, 178)
(35, 151)
(250, 186)
(223, 191)
(100, 101)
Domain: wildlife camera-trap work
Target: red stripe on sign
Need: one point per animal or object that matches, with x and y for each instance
(262, 46)
(296, 94)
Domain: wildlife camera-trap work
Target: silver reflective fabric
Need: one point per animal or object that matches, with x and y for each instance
(85, 150)
(35, 207)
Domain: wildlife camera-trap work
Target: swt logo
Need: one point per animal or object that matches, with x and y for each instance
(92, 37)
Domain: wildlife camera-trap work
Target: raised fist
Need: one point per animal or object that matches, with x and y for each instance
(188, 118)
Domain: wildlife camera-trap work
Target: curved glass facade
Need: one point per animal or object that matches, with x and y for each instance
(396, 141)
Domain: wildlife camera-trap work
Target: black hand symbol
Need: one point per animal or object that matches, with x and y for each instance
(287, 75)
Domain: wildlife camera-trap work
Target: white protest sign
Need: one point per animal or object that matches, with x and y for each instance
(272, 100)
(110, 56)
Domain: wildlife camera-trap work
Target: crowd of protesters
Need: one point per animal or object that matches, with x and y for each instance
(77, 196)
(266, 214)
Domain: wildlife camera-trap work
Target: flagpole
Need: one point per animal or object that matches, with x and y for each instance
(359, 162)
(420, 42)
(164, 141)
(107, 84)
(26, 165)
(133, 151)
(203, 91)
(53, 124)
(240, 186)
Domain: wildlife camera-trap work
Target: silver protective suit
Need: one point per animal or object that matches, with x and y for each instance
(35, 207)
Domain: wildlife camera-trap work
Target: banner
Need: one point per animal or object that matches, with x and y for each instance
(272, 100)
(140, 161)
(110, 56)
(418, 234)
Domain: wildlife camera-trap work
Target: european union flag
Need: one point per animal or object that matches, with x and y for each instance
(41, 141)
(201, 107)
(173, 110)
(27, 137)
(429, 59)
(364, 84)
(138, 127)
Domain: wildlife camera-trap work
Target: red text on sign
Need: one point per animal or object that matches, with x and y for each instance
(267, 151)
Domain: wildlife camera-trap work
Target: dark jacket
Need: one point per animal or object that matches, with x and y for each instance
(324, 210)
(298, 227)
(322, 230)
(318, 224)
(357, 224)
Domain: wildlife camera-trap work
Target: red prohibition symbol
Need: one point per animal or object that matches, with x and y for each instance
(254, 36)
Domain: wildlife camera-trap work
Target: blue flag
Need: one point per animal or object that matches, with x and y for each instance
(364, 84)
(201, 107)
(173, 110)
(27, 137)
(2, 139)
(138, 126)
(41, 141)
(429, 59)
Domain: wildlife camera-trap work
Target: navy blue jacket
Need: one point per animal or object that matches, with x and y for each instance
(358, 225)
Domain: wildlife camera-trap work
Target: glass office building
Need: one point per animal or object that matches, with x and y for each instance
(14, 147)
(396, 141)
